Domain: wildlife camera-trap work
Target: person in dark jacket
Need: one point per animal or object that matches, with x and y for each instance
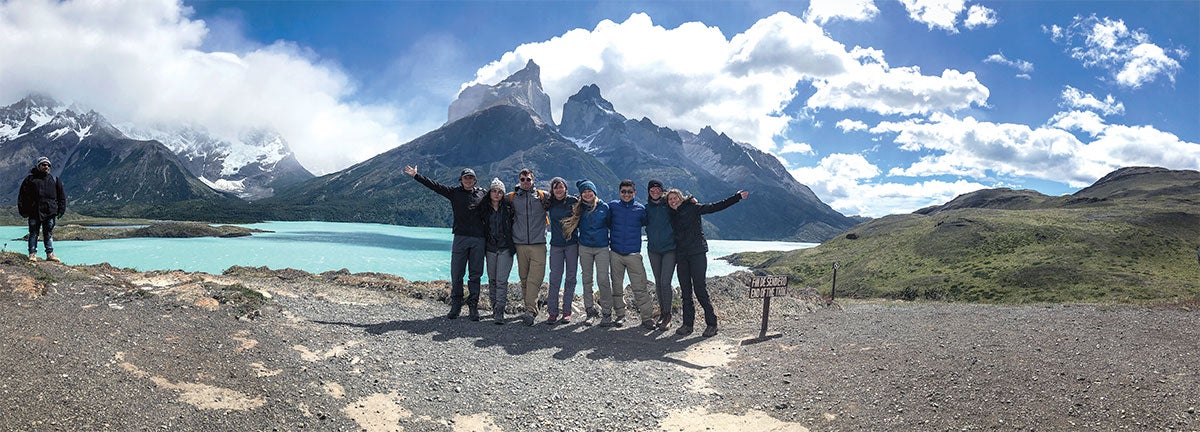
(468, 248)
(625, 242)
(691, 250)
(591, 219)
(41, 200)
(660, 246)
(497, 214)
(564, 253)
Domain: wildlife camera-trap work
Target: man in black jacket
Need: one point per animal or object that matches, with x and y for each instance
(468, 248)
(41, 200)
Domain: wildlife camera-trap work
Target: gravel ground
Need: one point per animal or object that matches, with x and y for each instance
(97, 348)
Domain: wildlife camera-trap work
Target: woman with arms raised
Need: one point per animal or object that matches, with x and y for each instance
(691, 253)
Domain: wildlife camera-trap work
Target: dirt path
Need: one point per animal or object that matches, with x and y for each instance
(94, 348)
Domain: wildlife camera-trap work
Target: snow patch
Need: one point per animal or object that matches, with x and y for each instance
(236, 187)
(58, 133)
(585, 143)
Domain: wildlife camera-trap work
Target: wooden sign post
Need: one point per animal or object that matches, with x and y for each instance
(765, 287)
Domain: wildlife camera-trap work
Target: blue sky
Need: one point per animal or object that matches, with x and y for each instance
(881, 106)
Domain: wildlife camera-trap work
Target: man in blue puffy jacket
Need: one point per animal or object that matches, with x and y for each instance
(625, 241)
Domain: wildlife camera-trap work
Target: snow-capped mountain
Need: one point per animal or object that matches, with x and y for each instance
(250, 166)
(522, 89)
(102, 169)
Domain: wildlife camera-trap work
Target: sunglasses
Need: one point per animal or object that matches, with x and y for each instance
(626, 191)
(526, 179)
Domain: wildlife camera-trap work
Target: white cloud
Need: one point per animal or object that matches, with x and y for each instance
(795, 147)
(1018, 64)
(1085, 121)
(980, 16)
(143, 62)
(823, 11)
(901, 90)
(942, 14)
(847, 125)
(692, 76)
(980, 150)
(1128, 55)
(845, 182)
(1075, 98)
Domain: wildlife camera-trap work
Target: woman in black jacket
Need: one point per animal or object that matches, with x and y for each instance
(691, 254)
(497, 214)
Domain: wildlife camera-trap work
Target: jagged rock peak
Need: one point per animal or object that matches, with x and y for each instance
(522, 89)
(586, 112)
(532, 73)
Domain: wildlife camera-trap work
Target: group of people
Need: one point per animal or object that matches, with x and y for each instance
(605, 238)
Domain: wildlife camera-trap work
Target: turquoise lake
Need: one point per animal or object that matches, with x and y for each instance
(409, 252)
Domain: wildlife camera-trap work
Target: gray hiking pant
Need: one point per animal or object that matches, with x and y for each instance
(499, 267)
(564, 260)
(663, 267)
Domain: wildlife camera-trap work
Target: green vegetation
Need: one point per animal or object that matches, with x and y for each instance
(245, 301)
(1129, 238)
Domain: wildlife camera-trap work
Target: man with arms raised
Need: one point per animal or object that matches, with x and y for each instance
(468, 247)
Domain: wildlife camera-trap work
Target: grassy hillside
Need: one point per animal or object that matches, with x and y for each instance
(1131, 237)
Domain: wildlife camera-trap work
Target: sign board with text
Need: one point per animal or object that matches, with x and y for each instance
(768, 286)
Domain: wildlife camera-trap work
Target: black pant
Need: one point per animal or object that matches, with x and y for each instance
(466, 253)
(692, 269)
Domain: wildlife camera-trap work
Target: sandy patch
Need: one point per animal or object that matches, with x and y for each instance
(207, 303)
(699, 419)
(334, 389)
(262, 371)
(201, 396)
(313, 356)
(481, 422)
(708, 355)
(379, 412)
(160, 281)
(243, 337)
(22, 284)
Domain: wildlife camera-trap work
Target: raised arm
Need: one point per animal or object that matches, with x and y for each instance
(723, 204)
(441, 189)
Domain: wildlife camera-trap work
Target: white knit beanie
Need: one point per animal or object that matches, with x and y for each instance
(497, 185)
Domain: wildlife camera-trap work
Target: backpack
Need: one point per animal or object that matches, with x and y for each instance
(542, 196)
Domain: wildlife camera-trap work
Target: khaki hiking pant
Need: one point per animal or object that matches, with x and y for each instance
(531, 266)
(642, 298)
(594, 261)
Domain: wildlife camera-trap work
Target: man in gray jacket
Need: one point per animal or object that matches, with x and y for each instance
(529, 236)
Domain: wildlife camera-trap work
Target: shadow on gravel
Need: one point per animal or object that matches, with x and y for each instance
(621, 344)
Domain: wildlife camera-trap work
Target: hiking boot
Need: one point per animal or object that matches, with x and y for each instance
(33, 257)
(606, 321)
(566, 319)
(664, 322)
(710, 331)
(50, 257)
(683, 330)
(552, 320)
(527, 319)
(474, 313)
(592, 312)
(455, 310)
(648, 324)
(498, 317)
